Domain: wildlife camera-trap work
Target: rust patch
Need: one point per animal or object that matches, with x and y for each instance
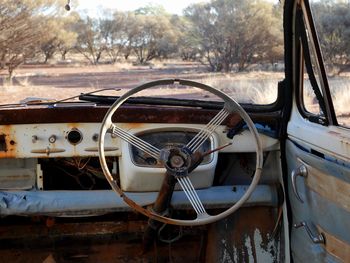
(73, 125)
(101, 241)
(134, 125)
(228, 238)
(3, 146)
(126, 114)
(7, 142)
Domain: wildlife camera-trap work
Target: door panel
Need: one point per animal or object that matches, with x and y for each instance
(325, 193)
(317, 156)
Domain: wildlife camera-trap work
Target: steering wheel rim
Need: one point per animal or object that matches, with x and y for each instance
(230, 104)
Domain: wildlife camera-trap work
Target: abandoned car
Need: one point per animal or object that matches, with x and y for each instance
(137, 178)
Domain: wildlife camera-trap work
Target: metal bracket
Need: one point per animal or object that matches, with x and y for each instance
(39, 177)
(300, 171)
(319, 239)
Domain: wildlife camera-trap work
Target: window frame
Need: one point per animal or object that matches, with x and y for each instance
(306, 22)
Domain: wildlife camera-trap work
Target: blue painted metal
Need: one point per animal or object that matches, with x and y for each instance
(70, 203)
(316, 209)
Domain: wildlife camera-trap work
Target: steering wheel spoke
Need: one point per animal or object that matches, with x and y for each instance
(135, 141)
(207, 131)
(192, 195)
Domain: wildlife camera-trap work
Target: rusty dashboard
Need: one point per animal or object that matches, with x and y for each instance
(54, 149)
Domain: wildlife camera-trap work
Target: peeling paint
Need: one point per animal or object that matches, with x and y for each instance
(245, 237)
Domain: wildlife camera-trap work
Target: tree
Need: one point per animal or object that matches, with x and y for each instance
(67, 38)
(89, 42)
(20, 30)
(59, 36)
(151, 36)
(236, 32)
(187, 43)
(18, 34)
(333, 23)
(113, 34)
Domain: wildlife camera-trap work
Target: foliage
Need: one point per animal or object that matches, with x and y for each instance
(89, 40)
(153, 37)
(59, 36)
(226, 35)
(333, 23)
(20, 31)
(24, 31)
(234, 32)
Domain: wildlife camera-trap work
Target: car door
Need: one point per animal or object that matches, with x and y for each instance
(317, 154)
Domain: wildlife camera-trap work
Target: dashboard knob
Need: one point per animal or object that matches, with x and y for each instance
(52, 139)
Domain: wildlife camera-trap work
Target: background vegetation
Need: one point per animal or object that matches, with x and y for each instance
(225, 35)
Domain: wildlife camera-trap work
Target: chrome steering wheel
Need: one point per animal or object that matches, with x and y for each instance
(177, 161)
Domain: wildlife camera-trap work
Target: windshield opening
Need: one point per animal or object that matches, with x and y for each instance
(48, 53)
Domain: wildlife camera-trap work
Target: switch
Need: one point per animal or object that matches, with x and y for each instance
(52, 139)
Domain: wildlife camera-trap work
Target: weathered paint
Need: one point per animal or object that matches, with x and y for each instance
(24, 147)
(245, 237)
(9, 135)
(134, 126)
(79, 203)
(321, 206)
(328, 186)
(335, 246)
(126, 114)
(108, 241)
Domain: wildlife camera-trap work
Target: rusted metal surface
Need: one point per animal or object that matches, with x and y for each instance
(245, 236)
(160, 206)
(44, 227)
(8, 143)
(127, 114)
(20, 142)
(99, 241)
(26, 143)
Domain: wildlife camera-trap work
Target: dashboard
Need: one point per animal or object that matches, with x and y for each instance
(31, 138)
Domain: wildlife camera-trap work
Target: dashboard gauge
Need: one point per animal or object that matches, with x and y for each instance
(166, 140)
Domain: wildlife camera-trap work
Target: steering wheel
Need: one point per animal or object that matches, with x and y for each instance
(177, 161)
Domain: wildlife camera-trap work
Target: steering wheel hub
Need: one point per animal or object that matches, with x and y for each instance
(178, 162)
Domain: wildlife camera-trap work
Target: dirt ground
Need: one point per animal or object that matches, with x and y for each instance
(56, 82)
(59, 82)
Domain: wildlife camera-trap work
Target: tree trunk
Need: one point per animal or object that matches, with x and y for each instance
(63, 55)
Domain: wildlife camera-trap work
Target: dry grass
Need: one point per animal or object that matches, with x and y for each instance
(340, 90)
(55, 82)
(254, 87)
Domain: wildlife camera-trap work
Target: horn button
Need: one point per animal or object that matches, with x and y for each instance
(177, 162)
